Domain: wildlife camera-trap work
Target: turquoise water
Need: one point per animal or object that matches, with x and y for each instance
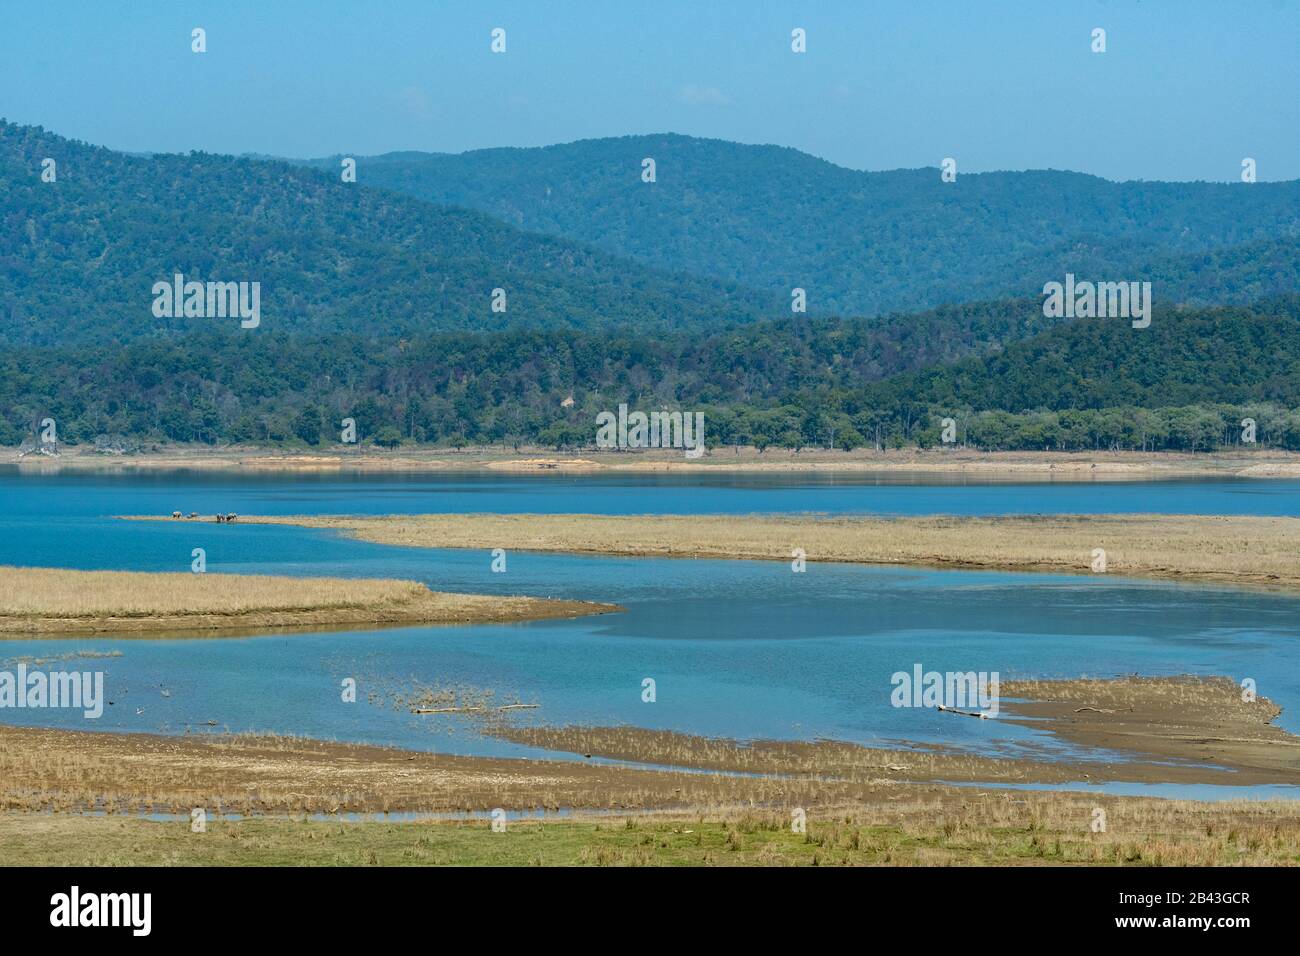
(738, 649)
(82, 495)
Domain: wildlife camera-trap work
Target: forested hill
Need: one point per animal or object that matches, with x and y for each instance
(860, 243)
(377, 305)
(79, 255)
(1186, 357)
(222, 385)
(792, 383)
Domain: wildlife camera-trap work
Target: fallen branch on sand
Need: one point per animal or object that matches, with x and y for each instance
(964, 713)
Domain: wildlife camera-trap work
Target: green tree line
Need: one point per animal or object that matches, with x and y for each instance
(1184, 383)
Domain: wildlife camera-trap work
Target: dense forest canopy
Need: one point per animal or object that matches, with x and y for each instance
(78, 256)
(821, 383)
(861, 243)
(377, 303)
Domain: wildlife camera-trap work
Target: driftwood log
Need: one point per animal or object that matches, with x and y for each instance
(472, 710)
(964, 713)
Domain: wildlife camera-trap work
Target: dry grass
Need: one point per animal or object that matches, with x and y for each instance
(665, 817)
(49, 592)
(1202, 721)
(862, 806)
(982, 829)
(826, 759)
(1165, 730)
(1239, 550)
(42, 601)
(59, 770)
(70, 771)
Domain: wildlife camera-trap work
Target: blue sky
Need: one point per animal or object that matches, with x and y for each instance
(1186, 89)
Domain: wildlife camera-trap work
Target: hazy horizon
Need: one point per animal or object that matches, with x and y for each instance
(1183, 92)
(272, 157)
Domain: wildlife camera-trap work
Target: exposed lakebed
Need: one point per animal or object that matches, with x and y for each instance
(737, 649)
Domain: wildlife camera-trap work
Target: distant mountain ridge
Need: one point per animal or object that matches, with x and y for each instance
(376, 304)
(861, 243)
(79, 255)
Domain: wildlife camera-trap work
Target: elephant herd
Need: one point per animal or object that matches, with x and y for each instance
(221, 519)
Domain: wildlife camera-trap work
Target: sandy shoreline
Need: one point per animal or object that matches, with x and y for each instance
(1166, 730)
(1239, 550)
(50, 602)
(952, 463)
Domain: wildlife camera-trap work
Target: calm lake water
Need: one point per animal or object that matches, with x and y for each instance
(738, 649)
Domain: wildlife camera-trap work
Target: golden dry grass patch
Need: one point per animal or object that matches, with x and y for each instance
(52, 600)
(1219, 549)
